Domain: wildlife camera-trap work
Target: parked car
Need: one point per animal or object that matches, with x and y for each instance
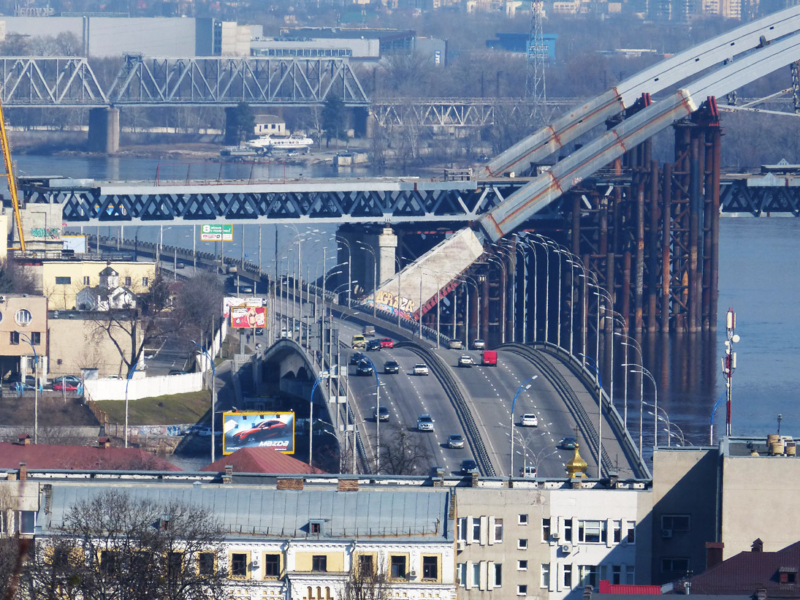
(420, 369)
(528, 471)
(382, 414)
(374, 345)
(569, 443)
(364, 368)
(469, 466)
(455, 344)
(391, 367)
(387, 343)
(424, 423)
(356, 358)
(368, 331)
(530, 420)
(246, 289)
(263, 431)
(15, 378)
(62, 385)
(489, 358)
(465, 361)
(478, 344)
(455, 441)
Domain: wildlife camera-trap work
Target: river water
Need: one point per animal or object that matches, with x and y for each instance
(759, 278)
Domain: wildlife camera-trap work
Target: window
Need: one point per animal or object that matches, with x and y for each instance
(476, 574)
(86, 280)
(430, 567)
(36, 338)
(476, 530)
(592, 532)
(568, 530)
(63, 280)
(545, 530)
(174, 564)
(108, 562)
(239, 565)
(319, 563)
(588, 575)
(522, 590)
(23, 316)
(498, 575)
(14, 338)
(676, 522)
(27, 521)
(674, 565)
(522, 565)
(522, 544)
(630, 575)
(631, 532)
(145, 281)
(498, 530)
(787, 576)
(568, 576)
(461, 574)
(398, 565)
(128, 281)
(205, 563)
(462, 529)
(315, 528)
(616, 575)
(545, 583)
(523, 520)
(272, 565)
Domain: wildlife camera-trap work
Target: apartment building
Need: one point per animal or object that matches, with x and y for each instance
(23, 333)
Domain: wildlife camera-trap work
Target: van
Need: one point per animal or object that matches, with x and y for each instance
(359, 342)
(528, 471)
(489, 358)
(369, 331)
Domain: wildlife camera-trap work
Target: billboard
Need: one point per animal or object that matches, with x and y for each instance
(258, 430)
(230, 301)
(216, 233)
(248, 317)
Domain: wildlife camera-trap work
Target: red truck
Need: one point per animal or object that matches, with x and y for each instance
(489, 358)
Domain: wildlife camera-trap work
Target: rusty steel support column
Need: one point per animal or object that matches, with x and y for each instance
(576, 224)
(485, 308)
(639, 293)
(507, 314)
(603, 241)
(717, 144)
(666, 259)
(626, 289)
(652, 251)
(694, 225)
(708, 203)
(473, 332)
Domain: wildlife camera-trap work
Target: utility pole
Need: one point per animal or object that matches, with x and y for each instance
(729, 365)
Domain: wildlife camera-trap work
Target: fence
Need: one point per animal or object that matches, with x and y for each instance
(114, 389)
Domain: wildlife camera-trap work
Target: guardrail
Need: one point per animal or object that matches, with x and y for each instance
(453, 391)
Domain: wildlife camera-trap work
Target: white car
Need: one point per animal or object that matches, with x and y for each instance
(425, 423)
(285, 333)
(420, 369)
(465, 361)
(530, 420)
(528, 471)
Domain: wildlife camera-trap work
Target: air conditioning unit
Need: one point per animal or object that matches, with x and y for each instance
(461, 545)
(666, 533)
(412, 575)
(555, 535)
(566, 548)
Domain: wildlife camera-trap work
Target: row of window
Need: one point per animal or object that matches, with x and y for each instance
(128, 281)
(35, 337)
(25, 522)
(588, 531)
(469, 575)
(303, 52)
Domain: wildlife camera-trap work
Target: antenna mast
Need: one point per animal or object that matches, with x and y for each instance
(537, 52)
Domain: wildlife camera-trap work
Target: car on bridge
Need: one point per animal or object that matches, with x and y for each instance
(425, 423)
(364, 368)
(469, 466)
(356, 358)
(368, 331)
(374, 345)
(478, 344)
(420, 369)
(455, 441)
(263, 431)
(359, 342)
(569, 443)
(465, 361)
(285, 333)
(391, 367)
(530, 420)
(386, 343)
(455, 344)
(382, 414)
(528, 471)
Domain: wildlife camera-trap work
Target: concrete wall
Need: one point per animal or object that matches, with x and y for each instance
(42, 226)
(147, 387)
(62, 295)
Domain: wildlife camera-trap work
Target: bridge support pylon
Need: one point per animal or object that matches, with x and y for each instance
(104, 130)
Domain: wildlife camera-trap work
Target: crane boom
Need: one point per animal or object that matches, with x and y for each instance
(9, 175)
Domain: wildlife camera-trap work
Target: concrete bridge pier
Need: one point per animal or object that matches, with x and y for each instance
(364, 247)
(104, 130)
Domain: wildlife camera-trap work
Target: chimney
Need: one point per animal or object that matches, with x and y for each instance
(761, 594)
(23, 471)
(347, 485)
(474, 480)
(757, 546)
(714, 554)
(104, 442)
(613, 478)
(24, 440)
(228, 477)
(587, 592)
(290, 483)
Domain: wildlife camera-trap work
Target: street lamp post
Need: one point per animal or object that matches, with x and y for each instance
(520, 246)
(36, 381)
(593, 365)
(644, 371)
(213, 395)
(502, 266)
(377, 413)
(374, 275)
(349, 267)
(127, 382)
(525, 385)
(322, 375)
(532, 246)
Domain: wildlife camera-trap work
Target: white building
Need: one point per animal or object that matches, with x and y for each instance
(109, 295)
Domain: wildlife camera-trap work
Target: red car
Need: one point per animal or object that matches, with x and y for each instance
(387, 343)
(262, 431)
(70, 387)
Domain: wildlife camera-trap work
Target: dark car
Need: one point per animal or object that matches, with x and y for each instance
(177, 372)
(386, 343)
(391, 366)
(569, 443)
(262, 431)
(30, 380)
(364, 368)
(469, 466)
(356, 358)
(374, 345)
(382, 413)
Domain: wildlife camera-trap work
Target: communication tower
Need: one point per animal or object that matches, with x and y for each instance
(536, 51)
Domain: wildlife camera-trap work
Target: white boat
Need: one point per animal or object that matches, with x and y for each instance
(267, 143)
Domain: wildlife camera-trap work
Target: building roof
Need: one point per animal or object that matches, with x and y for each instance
(748, 572)
(412, 514)
(44, 456)
(260, 460)
(109, 271)
(265, 119)
(606, 587)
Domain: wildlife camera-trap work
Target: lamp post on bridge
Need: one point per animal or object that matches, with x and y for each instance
(525, 385)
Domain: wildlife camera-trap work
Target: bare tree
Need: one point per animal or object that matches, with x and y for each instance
(197, 302)
(14, 279)
(366, 581)
(403, 452)
(115, 547)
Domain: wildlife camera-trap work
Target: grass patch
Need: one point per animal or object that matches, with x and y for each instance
(159, 410)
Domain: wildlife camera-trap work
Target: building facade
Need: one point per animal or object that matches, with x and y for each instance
(23, 323)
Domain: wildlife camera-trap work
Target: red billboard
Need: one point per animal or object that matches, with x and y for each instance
(248, 317)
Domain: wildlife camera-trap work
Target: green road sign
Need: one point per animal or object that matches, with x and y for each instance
(216, 233)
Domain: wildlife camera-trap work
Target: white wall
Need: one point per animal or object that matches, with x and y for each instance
(114, 389)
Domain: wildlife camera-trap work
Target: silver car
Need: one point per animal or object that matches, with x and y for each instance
(420, 369)
(425, 423)
(478, 345)
(455, 441)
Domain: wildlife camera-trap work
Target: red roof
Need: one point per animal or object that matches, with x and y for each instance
(606, 587)
(260, 460)
(44, 456)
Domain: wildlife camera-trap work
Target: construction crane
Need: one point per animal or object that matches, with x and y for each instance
(9, 175)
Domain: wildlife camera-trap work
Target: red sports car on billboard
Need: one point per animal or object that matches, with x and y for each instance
(263, 431)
